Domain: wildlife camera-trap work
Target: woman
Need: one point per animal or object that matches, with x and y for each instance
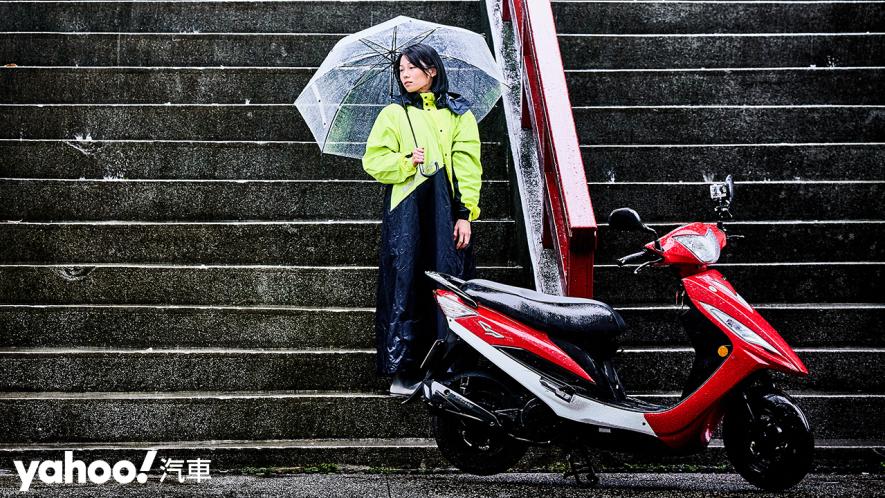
(425, 149)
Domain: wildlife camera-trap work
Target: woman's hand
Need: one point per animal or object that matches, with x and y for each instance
(462, 234)
(417, 156)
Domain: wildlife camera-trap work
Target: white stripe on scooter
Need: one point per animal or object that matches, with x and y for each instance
(579, 409)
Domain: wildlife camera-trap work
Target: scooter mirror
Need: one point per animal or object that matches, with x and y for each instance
(729, 183)
(625, 219)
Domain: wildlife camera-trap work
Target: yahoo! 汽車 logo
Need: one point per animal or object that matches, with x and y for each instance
(97, 472)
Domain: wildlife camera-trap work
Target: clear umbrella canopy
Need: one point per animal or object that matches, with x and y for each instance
(356, 80)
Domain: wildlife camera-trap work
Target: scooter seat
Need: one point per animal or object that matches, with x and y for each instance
(577, 318)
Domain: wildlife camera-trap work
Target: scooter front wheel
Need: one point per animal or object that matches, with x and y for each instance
(769, 442)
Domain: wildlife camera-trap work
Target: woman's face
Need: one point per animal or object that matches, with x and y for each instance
(413, 77)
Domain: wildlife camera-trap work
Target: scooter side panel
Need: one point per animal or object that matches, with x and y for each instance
(711, 288)
(501, 331)
(689, 423)
(576, 408)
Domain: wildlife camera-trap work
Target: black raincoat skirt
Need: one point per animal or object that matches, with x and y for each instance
(416, 236)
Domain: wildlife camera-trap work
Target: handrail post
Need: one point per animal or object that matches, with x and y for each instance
(569, 221)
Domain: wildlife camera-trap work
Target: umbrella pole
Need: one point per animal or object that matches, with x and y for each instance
(406, 109)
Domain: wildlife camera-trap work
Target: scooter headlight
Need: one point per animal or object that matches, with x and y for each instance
(705, 248)
(739, 328)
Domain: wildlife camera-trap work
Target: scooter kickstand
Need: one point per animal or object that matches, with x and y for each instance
(579, 464)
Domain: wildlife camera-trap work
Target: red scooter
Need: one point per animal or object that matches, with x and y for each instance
(518, 367)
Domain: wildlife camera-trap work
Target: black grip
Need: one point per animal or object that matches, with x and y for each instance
(632, 258)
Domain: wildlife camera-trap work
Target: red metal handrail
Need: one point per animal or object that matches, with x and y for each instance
(569, 223)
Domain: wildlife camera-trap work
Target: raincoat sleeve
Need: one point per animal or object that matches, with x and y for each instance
(466, 166)
(383, 159)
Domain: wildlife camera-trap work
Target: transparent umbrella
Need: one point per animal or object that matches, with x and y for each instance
(356, 80)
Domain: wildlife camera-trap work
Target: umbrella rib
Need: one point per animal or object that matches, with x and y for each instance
(417, 38)
(393, 45)
(331, 123)
(363, 79)
(441, 56)
(366, 77)
(380, 50)
(459, 59)
(358, 58)
(345, 64)
(365, 68)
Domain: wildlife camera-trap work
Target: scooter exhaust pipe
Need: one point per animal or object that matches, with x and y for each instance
(445, 398)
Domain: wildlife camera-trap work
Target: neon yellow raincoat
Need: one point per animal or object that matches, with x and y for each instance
(418, 219)
(448, 138)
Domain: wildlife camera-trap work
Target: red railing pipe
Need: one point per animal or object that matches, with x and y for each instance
(570, 225)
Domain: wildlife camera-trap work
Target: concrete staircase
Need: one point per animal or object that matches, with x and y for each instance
(182, 269)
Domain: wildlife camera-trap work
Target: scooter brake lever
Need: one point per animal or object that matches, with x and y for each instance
(644, 265)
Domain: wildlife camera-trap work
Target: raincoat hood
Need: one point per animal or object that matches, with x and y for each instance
(451, 101)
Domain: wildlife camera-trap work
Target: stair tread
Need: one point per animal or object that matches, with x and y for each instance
(237, 443)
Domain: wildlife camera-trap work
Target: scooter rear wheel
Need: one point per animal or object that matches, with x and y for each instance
(473, 446)
(771, 444)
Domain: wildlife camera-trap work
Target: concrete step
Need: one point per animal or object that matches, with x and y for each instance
(131, 417)
(789, 200)
(158, 85)
(802, 325)
(166, 49)
(194, 200)
(242, 17)
(355, 286)
(769, 242)
(80, 369)
(718, 17)
(720, 50)
(757, 282)
(729, 124)
(309, 50)
(79, 123)
(381, 455)
(758, 162)
(121, 417)
(135, 200)
(196, 160)
(295, 243)
(571, 17)
(317, 243)
(160, 326)
(312, 286)
(773, 86)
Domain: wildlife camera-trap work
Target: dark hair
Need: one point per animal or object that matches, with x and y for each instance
(425, 57)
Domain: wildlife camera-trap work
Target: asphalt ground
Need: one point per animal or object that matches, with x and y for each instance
(460, 485)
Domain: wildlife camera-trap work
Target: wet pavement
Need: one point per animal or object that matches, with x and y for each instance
(459, 485)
